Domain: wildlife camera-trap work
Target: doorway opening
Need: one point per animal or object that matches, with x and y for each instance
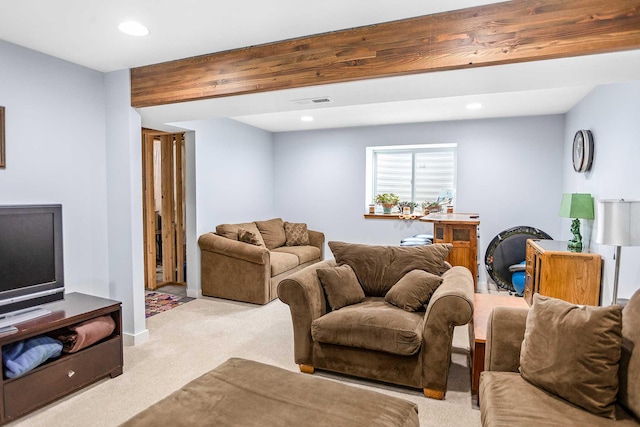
(163, 189)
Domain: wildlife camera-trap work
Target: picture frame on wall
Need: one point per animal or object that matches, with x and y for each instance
(2, 155)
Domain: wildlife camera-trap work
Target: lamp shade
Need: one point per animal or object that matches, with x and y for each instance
(576, 205)
(618, 222)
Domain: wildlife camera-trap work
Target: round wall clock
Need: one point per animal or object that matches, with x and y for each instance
(582, 151)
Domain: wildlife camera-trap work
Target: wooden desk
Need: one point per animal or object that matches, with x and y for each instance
(483, 304)
(461, 230)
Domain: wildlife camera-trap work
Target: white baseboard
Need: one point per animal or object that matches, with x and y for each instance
(135, 339)
(194, 293)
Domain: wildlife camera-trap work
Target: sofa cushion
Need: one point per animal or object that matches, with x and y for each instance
(507, 399)
(272, 232)
(247, 236)
(340, 285)
(372, 324)
(378, 268)
(573, 351)
(413, 290)
(304, 253)
(629, 371)
(230, 231)
(281, 262)
(296, 234)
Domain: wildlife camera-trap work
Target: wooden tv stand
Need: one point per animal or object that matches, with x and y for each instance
(69, 372)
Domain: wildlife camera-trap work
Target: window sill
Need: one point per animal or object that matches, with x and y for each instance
(397, 216)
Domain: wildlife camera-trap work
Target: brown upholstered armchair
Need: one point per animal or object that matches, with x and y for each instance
(371, 351)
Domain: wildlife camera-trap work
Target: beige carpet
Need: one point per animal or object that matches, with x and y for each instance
(189, 340)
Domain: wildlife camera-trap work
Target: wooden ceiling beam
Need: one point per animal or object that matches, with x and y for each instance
(501, 33)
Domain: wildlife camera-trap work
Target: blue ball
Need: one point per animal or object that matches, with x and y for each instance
(517, 280)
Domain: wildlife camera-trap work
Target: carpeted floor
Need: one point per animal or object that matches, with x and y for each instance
(189, 340)
(158, 302)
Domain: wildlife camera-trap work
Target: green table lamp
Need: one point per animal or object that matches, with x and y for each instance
(576, 205)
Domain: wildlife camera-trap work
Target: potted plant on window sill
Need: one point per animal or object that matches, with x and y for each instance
(411, 205)
(388, 201)
(431, 207)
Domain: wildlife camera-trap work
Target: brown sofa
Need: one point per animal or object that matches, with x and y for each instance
(373, 338)
(507, 399)
(250, 270)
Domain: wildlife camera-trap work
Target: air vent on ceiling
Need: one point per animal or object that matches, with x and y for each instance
(319, 100)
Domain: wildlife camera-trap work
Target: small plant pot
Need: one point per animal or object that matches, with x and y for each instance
(387, 208)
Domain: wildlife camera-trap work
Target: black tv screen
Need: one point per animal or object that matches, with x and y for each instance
(31, 266)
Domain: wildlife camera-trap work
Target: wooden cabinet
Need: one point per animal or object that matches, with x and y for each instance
(461, 230)
(69, 372)
(553, 270)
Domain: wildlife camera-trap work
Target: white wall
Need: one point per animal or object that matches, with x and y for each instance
(55, 153)
(124, 205)
(509, 171)
(229, 177)
(72, 138)
(612, 113)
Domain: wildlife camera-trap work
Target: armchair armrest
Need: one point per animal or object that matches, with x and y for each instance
(316, 238)
(303, 293)
(505, 332)
(451, 305)
(245, 251)
(452, 302)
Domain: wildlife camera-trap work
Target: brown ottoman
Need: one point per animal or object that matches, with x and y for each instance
(246, 393)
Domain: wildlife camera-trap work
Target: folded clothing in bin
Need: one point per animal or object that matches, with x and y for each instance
(87, 333)
(22, 356)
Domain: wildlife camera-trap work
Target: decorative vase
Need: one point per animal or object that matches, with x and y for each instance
(386, 208)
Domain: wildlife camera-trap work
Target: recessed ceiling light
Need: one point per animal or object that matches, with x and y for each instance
(133, 28)
(306, 118)
(474, 106)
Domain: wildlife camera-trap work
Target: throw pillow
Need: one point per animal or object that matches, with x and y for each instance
(413, 291)
(247, 236)
(573, 351)
(272, 232)
(230, 231)
(341, 286)
(296, 234)
(378, 268)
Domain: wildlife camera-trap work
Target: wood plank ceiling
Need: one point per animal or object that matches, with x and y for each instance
(501, 33)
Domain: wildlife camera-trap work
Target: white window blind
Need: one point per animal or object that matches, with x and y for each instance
(416, 174)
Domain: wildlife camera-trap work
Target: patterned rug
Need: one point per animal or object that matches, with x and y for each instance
(157, 302)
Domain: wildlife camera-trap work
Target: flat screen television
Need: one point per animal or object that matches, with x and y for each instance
(31, 263)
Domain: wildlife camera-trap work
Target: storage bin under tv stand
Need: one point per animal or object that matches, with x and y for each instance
(69, 372)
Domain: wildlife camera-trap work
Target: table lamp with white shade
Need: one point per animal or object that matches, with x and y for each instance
(618, 224)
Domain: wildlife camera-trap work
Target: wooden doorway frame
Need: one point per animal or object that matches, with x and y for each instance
(164, 229)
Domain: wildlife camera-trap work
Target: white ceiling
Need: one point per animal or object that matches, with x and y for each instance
(85, 32)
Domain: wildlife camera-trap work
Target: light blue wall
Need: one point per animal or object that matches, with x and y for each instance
(55, 152)
(72, 138)
(612, 113)
(509, 171)
(124, 205)
(232, 181)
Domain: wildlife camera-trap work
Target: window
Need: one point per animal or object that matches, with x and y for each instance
(416, 173)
